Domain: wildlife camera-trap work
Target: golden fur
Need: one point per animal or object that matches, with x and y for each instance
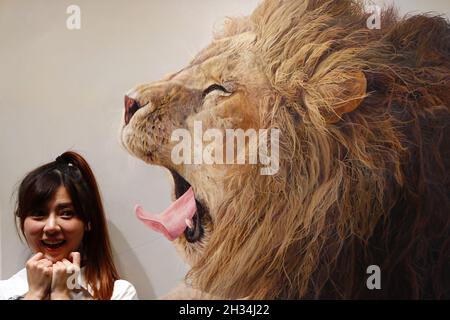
(364, 153)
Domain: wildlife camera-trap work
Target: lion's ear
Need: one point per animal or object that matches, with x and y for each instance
(335, 94)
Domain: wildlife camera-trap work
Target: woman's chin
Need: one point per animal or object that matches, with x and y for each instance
(54, 257)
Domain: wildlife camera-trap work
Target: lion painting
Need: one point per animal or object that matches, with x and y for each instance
(364, 153)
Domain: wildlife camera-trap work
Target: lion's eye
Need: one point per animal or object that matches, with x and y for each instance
(212, 88)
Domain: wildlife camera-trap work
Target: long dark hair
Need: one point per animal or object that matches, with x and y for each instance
(71, 171)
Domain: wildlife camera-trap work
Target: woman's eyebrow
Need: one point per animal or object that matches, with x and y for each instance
(64, 205)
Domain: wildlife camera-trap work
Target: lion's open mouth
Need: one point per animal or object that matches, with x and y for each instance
(186, 215)
(196, 231)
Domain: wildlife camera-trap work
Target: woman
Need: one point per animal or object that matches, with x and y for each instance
(61, 216)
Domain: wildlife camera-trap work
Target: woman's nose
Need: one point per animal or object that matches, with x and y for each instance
(51, 225)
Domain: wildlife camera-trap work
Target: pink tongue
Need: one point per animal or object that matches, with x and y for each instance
(172, 221)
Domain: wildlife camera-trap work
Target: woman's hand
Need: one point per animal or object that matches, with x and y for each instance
(39, 275)
(62, 271)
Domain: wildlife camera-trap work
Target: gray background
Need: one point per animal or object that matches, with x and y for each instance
(62, 89)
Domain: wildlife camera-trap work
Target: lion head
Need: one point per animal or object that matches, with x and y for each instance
(363, 172)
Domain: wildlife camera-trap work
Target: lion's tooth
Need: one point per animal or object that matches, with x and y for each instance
(189, 223)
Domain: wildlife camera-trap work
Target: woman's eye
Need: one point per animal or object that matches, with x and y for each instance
(38, 214)
(67, 214)
(212, 88)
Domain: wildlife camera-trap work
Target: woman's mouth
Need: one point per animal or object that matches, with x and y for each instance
(53, 245)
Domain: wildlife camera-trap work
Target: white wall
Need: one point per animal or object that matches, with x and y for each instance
(62, 89)
(418, 6)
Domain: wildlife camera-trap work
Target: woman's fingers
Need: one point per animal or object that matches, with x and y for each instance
(48, 270)
(38, 263)
(76, 258)
(69, 266)
(39, 275)
(38, 256)
(61, 283)
(60, 266)
(32, 262)
(44, 263)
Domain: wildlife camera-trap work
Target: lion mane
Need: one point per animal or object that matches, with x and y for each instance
(368, 185)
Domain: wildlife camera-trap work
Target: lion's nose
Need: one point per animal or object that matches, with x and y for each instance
(131, 106)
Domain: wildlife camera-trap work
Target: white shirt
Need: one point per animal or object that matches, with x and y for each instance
(17, 285)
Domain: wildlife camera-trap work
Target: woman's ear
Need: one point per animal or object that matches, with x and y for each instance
(335, 93)
(87, 227)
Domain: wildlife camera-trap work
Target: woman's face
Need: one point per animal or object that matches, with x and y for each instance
(56, 231)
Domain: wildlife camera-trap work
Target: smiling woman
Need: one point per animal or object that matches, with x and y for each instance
(61, 216)
(41, 227)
